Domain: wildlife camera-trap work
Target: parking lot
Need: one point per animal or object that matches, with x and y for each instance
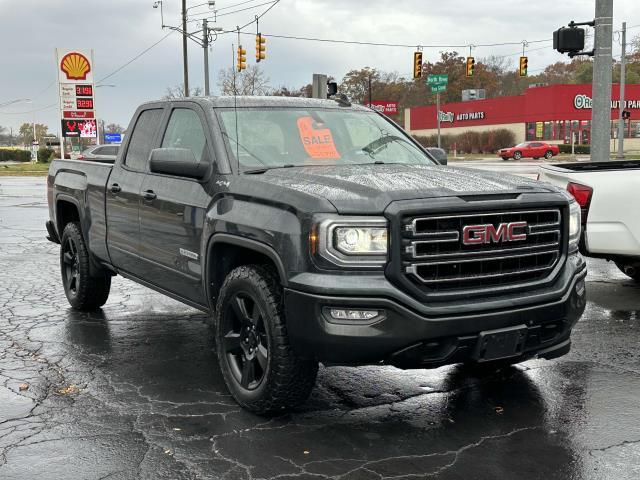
(133, 391)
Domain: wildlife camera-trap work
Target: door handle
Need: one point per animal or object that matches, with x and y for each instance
(115, 188)
(149, 195)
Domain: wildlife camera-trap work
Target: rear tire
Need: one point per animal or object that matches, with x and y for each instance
(84, 291)
(258, 364)
(505, 158)
(548, 154)
(517, 155)
(631, 271)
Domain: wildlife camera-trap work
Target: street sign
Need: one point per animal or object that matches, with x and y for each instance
(438, 88)
(438, 79)
(112, 138)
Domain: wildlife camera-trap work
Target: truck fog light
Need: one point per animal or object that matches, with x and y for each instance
(349, 314)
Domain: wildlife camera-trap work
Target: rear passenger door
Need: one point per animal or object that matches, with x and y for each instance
(123, 193)
(172, 215)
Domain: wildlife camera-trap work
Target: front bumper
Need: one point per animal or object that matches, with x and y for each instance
(408, 338)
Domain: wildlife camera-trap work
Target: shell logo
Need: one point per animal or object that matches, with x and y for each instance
(75, 66)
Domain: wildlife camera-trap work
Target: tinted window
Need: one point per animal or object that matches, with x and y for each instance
(185, 131)
(142, 138)
(274, 137)
(98, 151)
(111, 150)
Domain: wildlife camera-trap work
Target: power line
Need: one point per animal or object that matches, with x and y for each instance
(381, 44)
(216, 15)
(133, 59)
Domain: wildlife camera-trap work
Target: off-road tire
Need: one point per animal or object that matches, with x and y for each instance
(633, 275)
(288, 379)
(548, 154)
(517, 155)
(84, 291)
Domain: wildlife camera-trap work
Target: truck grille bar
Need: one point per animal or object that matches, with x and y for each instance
(436, 257)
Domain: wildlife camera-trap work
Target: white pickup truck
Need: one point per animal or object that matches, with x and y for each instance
(609, 197)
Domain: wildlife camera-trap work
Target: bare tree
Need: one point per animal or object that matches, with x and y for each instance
(251, 81)
(177, 91)
(114, 128)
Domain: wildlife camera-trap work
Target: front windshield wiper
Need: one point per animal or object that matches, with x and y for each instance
(379, 143)
(257, 171)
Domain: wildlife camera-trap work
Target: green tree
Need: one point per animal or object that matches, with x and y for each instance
(25, 134)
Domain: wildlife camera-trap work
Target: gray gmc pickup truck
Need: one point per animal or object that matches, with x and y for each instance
(319, 231)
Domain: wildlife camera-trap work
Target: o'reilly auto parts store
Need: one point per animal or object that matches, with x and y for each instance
(550, 113)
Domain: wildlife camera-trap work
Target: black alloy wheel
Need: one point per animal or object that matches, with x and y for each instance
(246, 343)
(259, 366)
(86, 287)
(70, 266)
(517, 155)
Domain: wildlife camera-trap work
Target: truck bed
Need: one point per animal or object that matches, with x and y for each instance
(597, 166)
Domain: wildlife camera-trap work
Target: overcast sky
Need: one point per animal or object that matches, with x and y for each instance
(118, 30)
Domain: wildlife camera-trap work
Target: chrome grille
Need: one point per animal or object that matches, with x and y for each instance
(435, 257)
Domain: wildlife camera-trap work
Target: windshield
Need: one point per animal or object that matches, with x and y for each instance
(274, 138)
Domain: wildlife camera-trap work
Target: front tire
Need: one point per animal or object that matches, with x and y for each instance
(517, 155)
(548, 154)
(84, 291)
(258, 364)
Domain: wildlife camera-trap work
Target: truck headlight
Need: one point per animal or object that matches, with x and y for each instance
(575, 223)
(352, 241)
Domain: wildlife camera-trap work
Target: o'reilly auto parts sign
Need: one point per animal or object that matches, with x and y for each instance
(582, 101)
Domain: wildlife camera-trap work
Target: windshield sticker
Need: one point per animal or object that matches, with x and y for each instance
(318, 142)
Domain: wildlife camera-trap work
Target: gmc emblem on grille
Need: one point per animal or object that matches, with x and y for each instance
(504, 232)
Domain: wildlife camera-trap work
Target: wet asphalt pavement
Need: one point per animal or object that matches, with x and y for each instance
(133, 391)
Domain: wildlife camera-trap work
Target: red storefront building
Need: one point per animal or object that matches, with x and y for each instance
(551, 113)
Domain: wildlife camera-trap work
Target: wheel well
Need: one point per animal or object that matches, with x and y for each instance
(225, 257)
(65, 212)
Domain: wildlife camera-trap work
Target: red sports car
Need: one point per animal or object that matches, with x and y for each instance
(529, 149)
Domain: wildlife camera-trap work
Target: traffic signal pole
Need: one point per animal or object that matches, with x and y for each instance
(438, 115)
(622, 84)
(601, 112)
(205, 47)
(185, 63)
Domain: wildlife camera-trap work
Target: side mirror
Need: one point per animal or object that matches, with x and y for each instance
(177, 161)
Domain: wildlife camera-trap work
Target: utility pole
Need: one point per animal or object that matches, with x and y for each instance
(369, 90)
(601, 112)
(205, 47)
(438, 115)
(185, 63)
(623, 60)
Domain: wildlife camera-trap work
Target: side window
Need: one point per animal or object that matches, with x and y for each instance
(111, 150)
(142, 139)
(99, 151)
(185, 131)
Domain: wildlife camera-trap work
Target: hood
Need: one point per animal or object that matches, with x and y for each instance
(371, 188)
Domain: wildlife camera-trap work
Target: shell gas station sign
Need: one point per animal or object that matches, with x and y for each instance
(76, 93)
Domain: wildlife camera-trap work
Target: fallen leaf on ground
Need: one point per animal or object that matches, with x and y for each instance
(499, 410)
(23, 387)
(168, 451)
(67, 390)
(306, 452)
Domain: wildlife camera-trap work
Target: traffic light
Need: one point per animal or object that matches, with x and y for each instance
(242, 59)
(471, 64)
(524, 62)
(417, 65)
(260, 47)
